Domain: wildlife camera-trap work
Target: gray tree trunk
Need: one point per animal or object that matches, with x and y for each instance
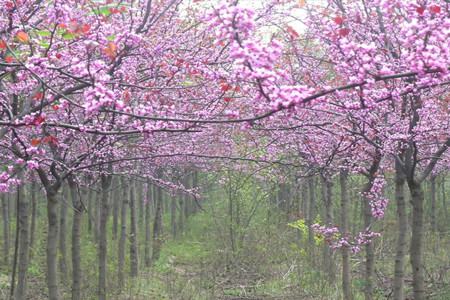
(6, 239)
(327, 186)
(116, 204)
(123, 233)
(62, 234)
(346, 277)
(433, 204)
(399, 267)
(34, 191)
(133, 232)
(52, 245)
(102, 235)
(416, 247)
(157, 225)
(76, 239)
(24, 239)
(148, 234)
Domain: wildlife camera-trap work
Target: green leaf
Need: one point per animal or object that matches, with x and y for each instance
(43, 33)
(68, 36)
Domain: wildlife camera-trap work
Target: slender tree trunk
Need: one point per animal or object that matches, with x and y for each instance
(311, 213)
(133, 232)
(433, 204)
(52, 245)
(76, 239)
(90, 210)
(148, 234)
(399, 267)
(24, 239)
(346, 278)
(173, 215)
(6, 240)
(33, 215)
(62, 235)
(123, 233)
(180, 214)
(444, 201)
(416, 247)
(98, 212)
(327, 185)
(369, 248)
(157, 225)
(102, 247)
(115, 209)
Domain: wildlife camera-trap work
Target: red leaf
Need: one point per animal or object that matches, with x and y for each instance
(38, 120)
(339, 20)
(85, 28)
(58, 55)
(344, 32)
(420, 10)
(227, 99)
(2, 45)
(294, 34)
(55, 107)
(22, 37)
(9, 59)
(35, 142)
(225, 87)
(38, 96)
(435, 9)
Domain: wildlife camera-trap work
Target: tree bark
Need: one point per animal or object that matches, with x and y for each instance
(76, 239)
(433, 204)
(102, 247)
(52, 245)
(157, 225)
(133, 232)
(311, 213)
(173, 215)
(123, 233)
(416, 247)
(24, 239)
(62, 235)
(327, 189)
(346, 277)
(34, 191)
(148, 234)
(399, 267)
(115, 209)
(6, 239)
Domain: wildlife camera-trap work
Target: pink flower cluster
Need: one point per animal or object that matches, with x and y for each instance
(335, 240)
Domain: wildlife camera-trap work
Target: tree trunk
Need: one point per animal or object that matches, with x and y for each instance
(311, 214)
(173, 215)
(433, 204)
(62, 235)
(148, 234)
(327, 186)
(157, 225)
(115, 209)
(133, 232)
(33, 215)
(90, 210)
(24, 239)
(416, 247)
(52, 245)
(123, 233)
(399, 267)
(346, 279)
(369, 248)
(76, 239)
(102, 235)
(6, 241)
